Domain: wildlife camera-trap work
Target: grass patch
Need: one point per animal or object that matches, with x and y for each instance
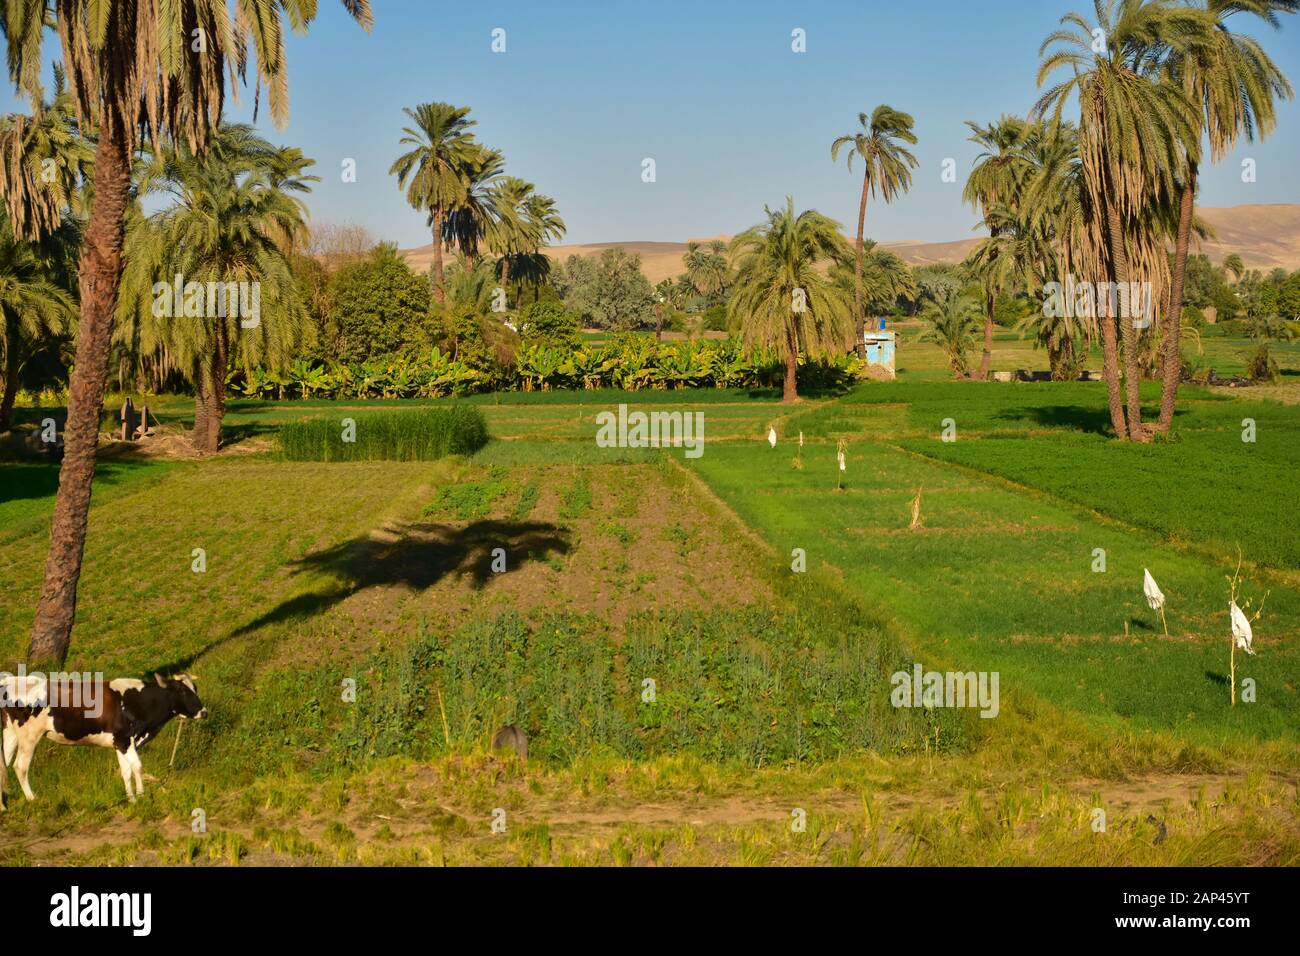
(423, 434)
(1001, 581)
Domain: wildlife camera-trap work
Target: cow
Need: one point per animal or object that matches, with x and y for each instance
(123, 714)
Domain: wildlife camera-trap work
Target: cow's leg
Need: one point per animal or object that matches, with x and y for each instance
(124, 765)
(137, 769)
(10, 746)
(26, 747)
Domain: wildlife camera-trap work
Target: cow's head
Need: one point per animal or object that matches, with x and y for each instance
(184, 698)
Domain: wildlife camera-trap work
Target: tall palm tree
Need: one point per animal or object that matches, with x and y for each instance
(545, 226)
(33, 306)
(442, 156)
(1131, 130)
(887, 170)
(1010, 259)
(1235, 85)
(781, 299)
(235, 219)
(521, 222)
(130, 67)
(471, 217)
(996, 180)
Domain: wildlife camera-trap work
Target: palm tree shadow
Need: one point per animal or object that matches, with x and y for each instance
(1074, 417)
(1216, 678)
(417, 556)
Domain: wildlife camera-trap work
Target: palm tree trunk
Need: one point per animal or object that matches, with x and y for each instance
(859, 320)
(1109, 344)
(987, 358)
(438, 293)
(1128, 330)
(1174, 315)
(199, 436)
(1054, 360)
(100, 274)
(1066, 356)
(12, 364)
(789, 393)
(217, 407)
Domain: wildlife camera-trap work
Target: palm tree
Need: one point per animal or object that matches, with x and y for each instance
(1235, 84)
(130, 68)
(707, 270)
(1006, 261)
(886, 279)
(952, 326)
(440, 163)
(530, 265)
(44, 163)
(471, 217)
(887, 169)
(235, 219)
(996, 180)
(1232, 264)
(32, 307)
(1131, 131)
(781, 300)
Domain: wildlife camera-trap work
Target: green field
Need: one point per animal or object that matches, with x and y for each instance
(770, 688)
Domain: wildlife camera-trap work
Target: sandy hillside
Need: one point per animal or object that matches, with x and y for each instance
(1264, 236)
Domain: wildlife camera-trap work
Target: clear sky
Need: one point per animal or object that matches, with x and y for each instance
(710, 89)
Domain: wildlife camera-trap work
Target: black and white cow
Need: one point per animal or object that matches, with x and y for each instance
(123, 714)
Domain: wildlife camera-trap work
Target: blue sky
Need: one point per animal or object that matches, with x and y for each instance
(710, 89)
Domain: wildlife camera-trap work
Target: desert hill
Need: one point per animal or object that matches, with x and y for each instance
(1265, 236)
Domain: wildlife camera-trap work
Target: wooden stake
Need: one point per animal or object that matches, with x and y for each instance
(179, 725)
(446, 731)
(1162, 620)
(1232, 659)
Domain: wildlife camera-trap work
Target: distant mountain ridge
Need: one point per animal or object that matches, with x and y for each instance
(1265, 236)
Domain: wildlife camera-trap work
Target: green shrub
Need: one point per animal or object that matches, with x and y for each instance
(549, 324)
(418, 435)
(471, 500)
(576, 499)
(715, 319)
(381, 305)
